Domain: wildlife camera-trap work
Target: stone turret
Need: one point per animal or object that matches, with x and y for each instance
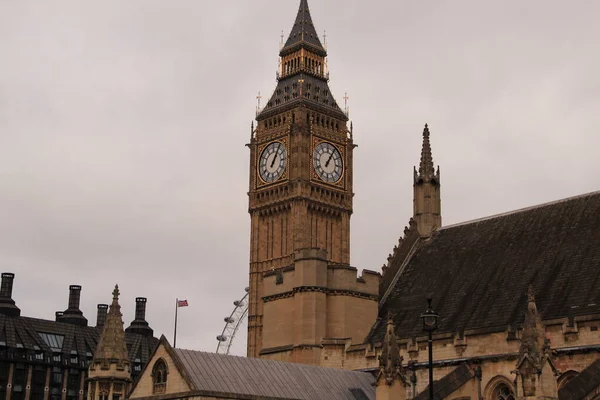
(427, 201)
(391, 381)
(110, 370)
(536, 374)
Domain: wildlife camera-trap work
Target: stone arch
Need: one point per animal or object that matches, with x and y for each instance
(500, 388)
(566, 377)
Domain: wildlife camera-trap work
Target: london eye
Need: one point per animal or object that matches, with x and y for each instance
(236, 320)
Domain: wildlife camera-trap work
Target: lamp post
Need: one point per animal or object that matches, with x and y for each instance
(430, 322)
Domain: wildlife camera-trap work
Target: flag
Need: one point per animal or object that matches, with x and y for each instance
(182, 303)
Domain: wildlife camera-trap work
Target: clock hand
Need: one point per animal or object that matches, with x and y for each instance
(275, 158)
(329, 160)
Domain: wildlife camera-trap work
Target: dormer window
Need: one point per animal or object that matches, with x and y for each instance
(159, 376)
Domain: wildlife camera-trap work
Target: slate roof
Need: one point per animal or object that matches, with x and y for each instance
(22, 334)
(583, 384)
(303, 32)
(218, 373)
(448, 384)
(315, 93)
(478, 272)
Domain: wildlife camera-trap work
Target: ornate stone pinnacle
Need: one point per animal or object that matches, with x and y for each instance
(530, 294)
(426, 170)
(116, 293)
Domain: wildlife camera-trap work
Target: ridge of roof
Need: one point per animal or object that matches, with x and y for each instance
(520, 210)
(264, 361)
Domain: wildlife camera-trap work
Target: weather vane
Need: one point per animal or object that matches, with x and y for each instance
(258, 100)
(346, 98)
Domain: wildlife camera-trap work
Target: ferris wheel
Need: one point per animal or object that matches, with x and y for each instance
(233, 323)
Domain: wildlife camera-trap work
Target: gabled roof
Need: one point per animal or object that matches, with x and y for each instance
(303, 32)
(246, 378)
(478, 272)
(448, 384)
(583, 384)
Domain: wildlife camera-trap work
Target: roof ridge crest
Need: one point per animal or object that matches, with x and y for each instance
(519, 210)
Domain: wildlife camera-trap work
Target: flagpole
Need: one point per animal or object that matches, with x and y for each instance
(175, 332)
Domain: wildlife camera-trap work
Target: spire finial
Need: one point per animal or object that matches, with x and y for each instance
(390, 360)
(426, 170)
(111, 347)
(303, 32)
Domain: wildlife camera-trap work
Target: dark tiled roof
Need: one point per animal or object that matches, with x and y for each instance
(24, 333)
(478, 272)
(315, 93)
(448, 384)
(219, 373)
(303, 32)
(582, 384)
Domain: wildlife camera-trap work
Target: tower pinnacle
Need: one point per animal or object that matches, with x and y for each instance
(426, 170)
(427, 198)
(111, 346)
(110, 369)
(303, 33)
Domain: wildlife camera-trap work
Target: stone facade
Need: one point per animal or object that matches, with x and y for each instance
(307, 304)
(300, 193)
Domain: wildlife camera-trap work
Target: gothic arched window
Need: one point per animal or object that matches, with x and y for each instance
(503, 392)
(159, 376)
(499, 388)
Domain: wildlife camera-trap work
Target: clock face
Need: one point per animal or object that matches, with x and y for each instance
(273, 160)
(327, 161)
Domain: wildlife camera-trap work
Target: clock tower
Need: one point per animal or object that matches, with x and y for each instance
(300, 199)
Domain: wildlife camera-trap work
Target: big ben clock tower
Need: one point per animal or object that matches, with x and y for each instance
(300, 198)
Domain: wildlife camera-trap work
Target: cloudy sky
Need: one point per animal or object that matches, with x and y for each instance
(123, 124)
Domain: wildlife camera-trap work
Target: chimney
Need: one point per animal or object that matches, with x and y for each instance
(140, 308)
(74, 297)
(73, 314)
(139, 324)
(102, 312)
(7, 304)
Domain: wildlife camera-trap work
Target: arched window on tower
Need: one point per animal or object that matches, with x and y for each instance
(159, 376)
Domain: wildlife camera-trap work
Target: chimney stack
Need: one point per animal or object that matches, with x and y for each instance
(140, 308)
(74, 297)
(73, 314)
(102, 312)
(7, 304)
(139, 324)
(58, 315)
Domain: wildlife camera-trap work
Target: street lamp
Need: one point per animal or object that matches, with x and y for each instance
(430, 322)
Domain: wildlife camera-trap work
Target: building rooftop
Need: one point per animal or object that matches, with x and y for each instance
(478, 272)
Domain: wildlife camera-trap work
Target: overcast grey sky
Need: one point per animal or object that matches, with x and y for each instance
(123, 124)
